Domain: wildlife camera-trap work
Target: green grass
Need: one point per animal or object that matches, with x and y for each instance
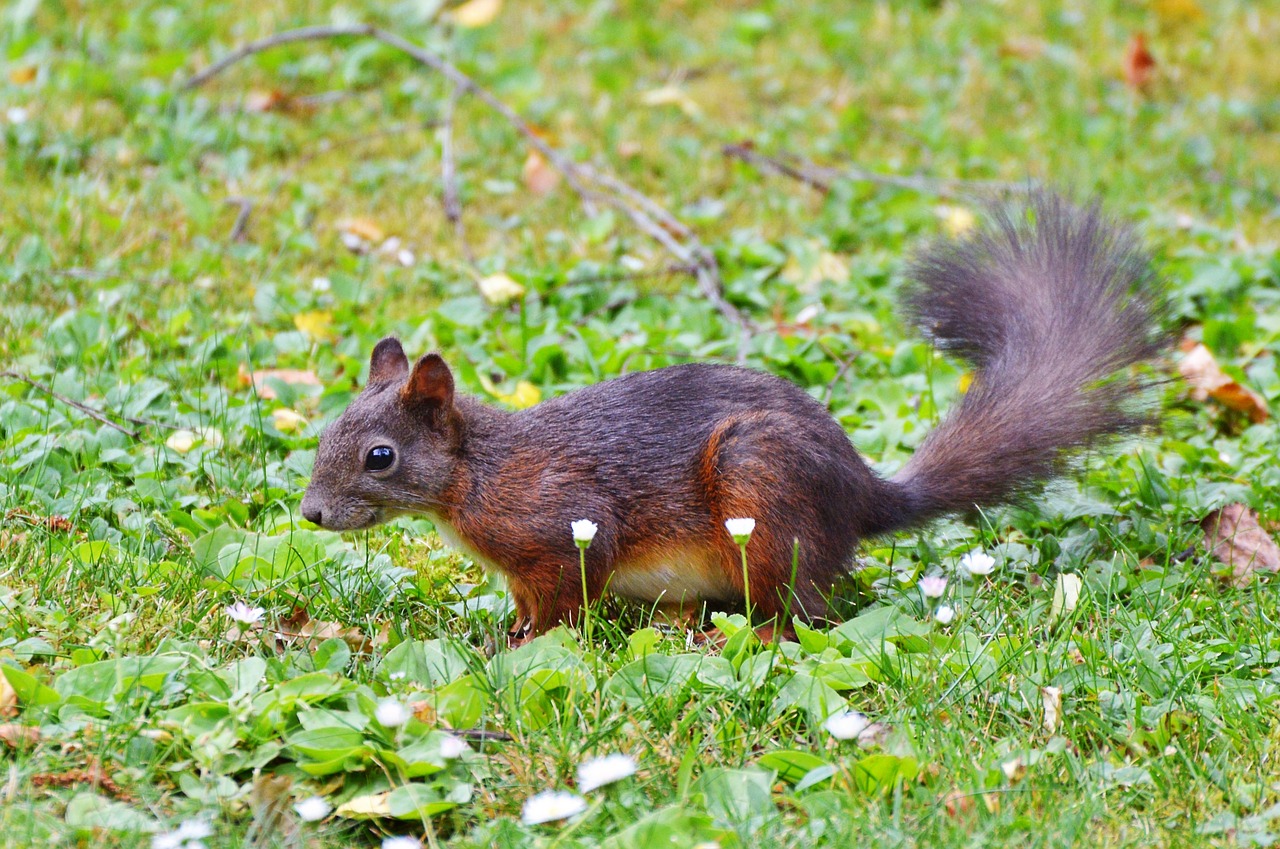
(120, 555)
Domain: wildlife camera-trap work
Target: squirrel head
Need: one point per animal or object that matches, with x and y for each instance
(393, 450)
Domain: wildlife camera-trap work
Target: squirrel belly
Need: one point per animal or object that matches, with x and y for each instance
(1050, 303)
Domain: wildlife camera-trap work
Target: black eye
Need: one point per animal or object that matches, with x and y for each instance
(379, 459)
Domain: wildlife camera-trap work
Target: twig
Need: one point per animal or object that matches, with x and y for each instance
(646, 214)
(245, 209)
(449, 175)
(413, 51)
(821, 178)
(84, 408)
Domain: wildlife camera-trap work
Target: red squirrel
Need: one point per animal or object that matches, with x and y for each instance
(1050, 303)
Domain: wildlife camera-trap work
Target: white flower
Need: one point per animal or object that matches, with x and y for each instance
(16, 115)
(405, 257)
(244, 614)
(932, 586)
(313, 809)
(390, 713)
(977, 563)
(390, 245)
(552, 805)
(499, 288)
(401, 842)
(353, 243)
(597, 772)
(398, 676)
(846, 725)
(320, 284)
(944, 614)
(740, 529)
(188, 835)
(584, 531)
(451, 747)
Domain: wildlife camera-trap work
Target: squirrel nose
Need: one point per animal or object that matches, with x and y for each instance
(313, 514)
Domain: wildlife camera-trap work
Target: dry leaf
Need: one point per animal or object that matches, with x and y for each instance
(317, 324)
(286, 420)
(956, 802)
(1237, 540)
(1207, 380)
(476, 13)
(23, 74)
(273, 100)
(366, 807)
(1139, 65)
(1015, 770)
(363, 228)
(8, 698)
(291, 376)
(539, 177)
(1051, 700)
(299, 625)
(1023, 48)
(669, 95)
(19, 736)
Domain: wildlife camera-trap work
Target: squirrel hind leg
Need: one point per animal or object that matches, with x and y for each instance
(798, 482)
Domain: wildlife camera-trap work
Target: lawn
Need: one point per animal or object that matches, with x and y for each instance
(194, 277)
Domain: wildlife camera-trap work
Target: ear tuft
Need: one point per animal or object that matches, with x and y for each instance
(388, 363)
(430, 385)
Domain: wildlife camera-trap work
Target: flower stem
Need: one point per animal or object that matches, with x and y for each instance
(586, 600)
(746, 581)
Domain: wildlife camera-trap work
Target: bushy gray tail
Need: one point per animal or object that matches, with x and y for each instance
(1051, 303)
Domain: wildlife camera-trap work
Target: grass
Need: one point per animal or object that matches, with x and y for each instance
(119, 556)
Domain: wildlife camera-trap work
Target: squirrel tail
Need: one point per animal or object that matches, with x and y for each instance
(1051, 304)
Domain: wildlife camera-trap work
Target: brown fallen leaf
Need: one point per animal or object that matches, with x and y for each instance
(290, 376)
(538, 175)
(1234, 536)
(476, 13)
(364, 228)
(299, 626)
(956, 803)
(1139, 65)
(1207, 380)
(271, 100)
(19, 736)
(1023, 47)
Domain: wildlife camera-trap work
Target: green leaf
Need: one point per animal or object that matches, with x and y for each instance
(89, 812)
(792, 765)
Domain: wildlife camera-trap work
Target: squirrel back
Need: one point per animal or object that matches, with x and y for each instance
(1050, 303)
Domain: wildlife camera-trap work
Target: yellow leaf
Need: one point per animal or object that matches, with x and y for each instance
(366, 807)
(476, 13)
(286, 420)
(23, 74)
(525, 396)
(1178, 11)
(669, 95)
(499, 288)
(317, 324)
(956, 220)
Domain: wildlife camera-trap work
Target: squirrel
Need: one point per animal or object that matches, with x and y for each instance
(1049, 302)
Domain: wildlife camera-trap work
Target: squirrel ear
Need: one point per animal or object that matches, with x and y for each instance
(388, 362)
(430, 384)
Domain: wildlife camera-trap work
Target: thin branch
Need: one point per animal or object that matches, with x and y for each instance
(449, 175)
(822, 178)
(649, 216)
(413, 51)
(244, 210)
(97, 415)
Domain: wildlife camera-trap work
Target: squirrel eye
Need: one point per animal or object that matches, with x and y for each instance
(379, 459)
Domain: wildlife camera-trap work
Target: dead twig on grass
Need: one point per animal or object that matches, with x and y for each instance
(645, 213)
(821, 178)
(244, 208)
(449, 176)
(91, 412)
